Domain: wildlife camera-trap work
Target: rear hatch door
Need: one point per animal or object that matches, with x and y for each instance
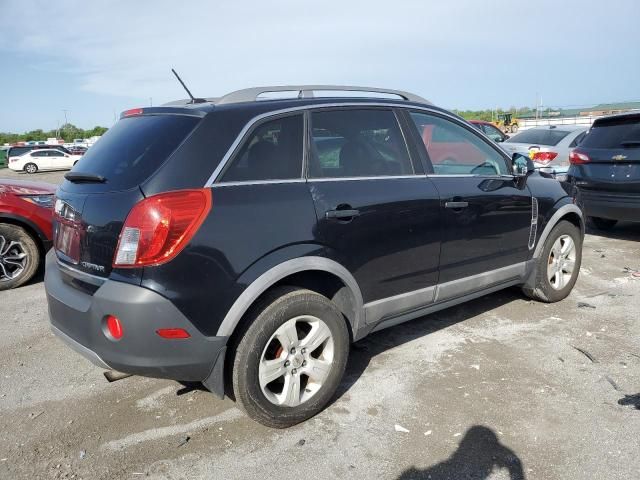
(613, 148)
(97, 195)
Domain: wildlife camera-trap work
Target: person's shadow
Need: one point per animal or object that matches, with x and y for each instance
(479, 453)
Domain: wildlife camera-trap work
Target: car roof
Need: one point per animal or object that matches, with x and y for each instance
(483, 122)
(565, 128)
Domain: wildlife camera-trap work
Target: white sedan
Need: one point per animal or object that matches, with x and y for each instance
(43, 159)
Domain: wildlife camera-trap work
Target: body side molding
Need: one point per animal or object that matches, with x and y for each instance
(272, 276)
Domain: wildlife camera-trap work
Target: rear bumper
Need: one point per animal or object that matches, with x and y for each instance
(614, 206)
(77, 317)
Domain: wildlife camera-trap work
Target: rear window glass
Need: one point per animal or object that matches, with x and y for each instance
(550, 136)
(17, 151)
(135, 147)
(613, 134)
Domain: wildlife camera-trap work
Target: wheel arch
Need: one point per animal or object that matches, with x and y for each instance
(31, 228)
(319, 274)
(569, 212)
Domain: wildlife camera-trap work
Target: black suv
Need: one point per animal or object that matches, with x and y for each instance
(245, 243)
(605, 170)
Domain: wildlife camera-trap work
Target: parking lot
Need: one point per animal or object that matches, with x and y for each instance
(501, 387)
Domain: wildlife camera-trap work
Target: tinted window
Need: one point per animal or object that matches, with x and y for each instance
(17, 151)
(454, 150)
(540, 136)
(492, 132)
(576, 141)
(273, 151)
(39, 153)
(357, 143)
(135, 147)
(614, 134)
(54, 153)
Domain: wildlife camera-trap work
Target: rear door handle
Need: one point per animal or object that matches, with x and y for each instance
(456, 204)
(342, 214)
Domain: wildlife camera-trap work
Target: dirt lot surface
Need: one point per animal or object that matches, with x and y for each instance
(499, 388)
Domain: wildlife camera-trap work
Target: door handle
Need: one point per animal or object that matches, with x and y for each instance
(455, 205)
(345, 214)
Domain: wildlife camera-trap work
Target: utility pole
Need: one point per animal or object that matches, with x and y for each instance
(65, 116)
(151, 101)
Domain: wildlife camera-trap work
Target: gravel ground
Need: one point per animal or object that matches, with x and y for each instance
(499, 388)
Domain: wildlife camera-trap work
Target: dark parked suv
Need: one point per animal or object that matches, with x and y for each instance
(246, 242)
(605, 170)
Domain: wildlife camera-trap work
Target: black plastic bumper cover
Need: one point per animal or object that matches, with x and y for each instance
(78, 319)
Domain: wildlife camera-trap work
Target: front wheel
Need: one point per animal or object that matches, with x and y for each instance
(31, 168)
(291, 358)
(603, 223)
(559, 263)
(19, 256)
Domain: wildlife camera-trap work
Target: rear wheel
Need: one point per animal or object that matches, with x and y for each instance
(31, 168)
(603, 223)
(291, 358)
(514, 128)
(19, 256)
(558, 266)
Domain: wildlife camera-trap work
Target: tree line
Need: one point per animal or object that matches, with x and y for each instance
(67, 132)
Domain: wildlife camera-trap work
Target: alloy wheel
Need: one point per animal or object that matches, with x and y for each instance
(562, 260)
(13, 259)
(296, 361)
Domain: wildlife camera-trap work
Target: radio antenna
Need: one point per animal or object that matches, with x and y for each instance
(193, 99)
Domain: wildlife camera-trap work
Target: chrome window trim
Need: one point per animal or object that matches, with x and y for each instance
(250, 124)
(258, 182)
(351, 179)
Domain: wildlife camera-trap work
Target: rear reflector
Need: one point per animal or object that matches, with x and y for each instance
(173, 333)
(576, 157)
(159, 227)
(114, 327)
(544, 157)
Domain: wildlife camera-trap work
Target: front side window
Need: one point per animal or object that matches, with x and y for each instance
(454, 150)
(357, 143)
(493, 133)
(273, 151)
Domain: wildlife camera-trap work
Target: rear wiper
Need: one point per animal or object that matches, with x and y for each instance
(79, 177)
(631, 143)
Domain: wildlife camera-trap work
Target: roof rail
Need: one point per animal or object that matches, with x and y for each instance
(306, 91)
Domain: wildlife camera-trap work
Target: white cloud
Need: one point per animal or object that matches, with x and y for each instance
(437, 48)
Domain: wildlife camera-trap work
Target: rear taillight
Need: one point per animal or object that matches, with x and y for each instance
(159, 227)
(544, 157)
(576, 157)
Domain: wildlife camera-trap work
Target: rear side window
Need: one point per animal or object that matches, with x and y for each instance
(135, 147)
(535, 136)
(577, 140)
(17, 151)
(357, 143)
(614, 134)
(273, 151)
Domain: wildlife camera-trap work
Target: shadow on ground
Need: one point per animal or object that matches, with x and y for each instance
(622, 231)
(363, 351)
(630, 400)
(478, 455)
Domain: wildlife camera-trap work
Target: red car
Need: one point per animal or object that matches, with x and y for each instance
(26, 210)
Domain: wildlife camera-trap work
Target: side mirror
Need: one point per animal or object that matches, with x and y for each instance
(499, 139)
(506, 137)
(522, 165)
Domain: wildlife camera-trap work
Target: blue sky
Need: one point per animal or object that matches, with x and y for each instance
(96, 59)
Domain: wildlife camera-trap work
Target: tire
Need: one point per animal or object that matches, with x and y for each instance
(15, 242)
(279, 309)
(544, 289)
(603, 223)
(514, 128)
(31, 168)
